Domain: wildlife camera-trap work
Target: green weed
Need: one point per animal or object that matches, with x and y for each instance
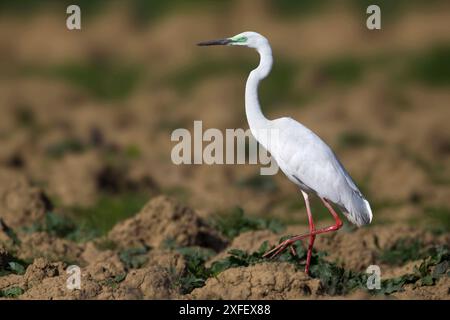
(401, 251)
(107, 211)
(355, 139)
(105, 81)
(334, 279)
(134, 258)
(12, 292)
(61, 148)
(12, 265)
(113, 282)
(294, 8)
(423, 275)
(440, 215)
(432, 67)
(344, 70)
(235, 222)
(186, 78)
(259, 183)
(196, 272)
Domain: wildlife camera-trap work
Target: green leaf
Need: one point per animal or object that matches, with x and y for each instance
(403, 250)
(12, 292)
(16, 267)
(134, 258)
(58, 225)
(120, 277)
(114, 281)
(9, 232)
(220, 266)
(263, 247)
(427, 281)
(233, 223)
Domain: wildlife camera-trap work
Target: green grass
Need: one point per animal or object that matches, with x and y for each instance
(132, 152)
(387, 7)
(142, 11)
(259, 183)
(181, 193)
(105, 244)
(107, 211)
(12, 265)
(114, 281)
(134, 258)
(187, 77)
(74, 145)
(12, 292)
(235, 222)
(342, 70)
(431, 269)
(27, 7)
(277, 88)
(70, 145)
(355, 139)
(82, 224)
(195, 273)
(398, 99)
(295, 8)
(390, 10)
(439, 216)
(62, 226)
(402, 251)
(432, 67)
(105, 81)
(25, 116)
(10, 233)
(148, 11)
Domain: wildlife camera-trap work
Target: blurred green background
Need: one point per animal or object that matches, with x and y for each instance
(87, 114)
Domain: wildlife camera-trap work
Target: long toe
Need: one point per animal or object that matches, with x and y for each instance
(275, 251)
(293, 252)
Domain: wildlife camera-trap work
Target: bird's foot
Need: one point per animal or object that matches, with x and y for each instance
(293, 251)
(283, 246)
(280, 248)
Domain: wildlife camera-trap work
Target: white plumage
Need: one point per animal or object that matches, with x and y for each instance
(308, 162)
(302, 156)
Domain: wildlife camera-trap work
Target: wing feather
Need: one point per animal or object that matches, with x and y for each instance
(310, 163)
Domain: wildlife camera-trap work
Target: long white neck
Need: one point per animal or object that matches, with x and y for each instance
(256, 119)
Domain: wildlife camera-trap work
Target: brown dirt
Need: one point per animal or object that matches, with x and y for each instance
(149, 283)
(441, 290)
(262, 281)
(21, 203)
(41, 244)
(46, 280)
(157, 278)
(163, 219)
(68, 175)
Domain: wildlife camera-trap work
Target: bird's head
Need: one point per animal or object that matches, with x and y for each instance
(249, 39)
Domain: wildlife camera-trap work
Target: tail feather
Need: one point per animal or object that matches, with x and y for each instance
(357, 209)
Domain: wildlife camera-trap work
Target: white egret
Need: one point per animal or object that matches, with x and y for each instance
(302, 156)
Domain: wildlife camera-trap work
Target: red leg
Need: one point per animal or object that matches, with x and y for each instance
(282, 246)
(311, 229)
(312, 236)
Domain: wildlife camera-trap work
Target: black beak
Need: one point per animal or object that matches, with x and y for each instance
(219, 42)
